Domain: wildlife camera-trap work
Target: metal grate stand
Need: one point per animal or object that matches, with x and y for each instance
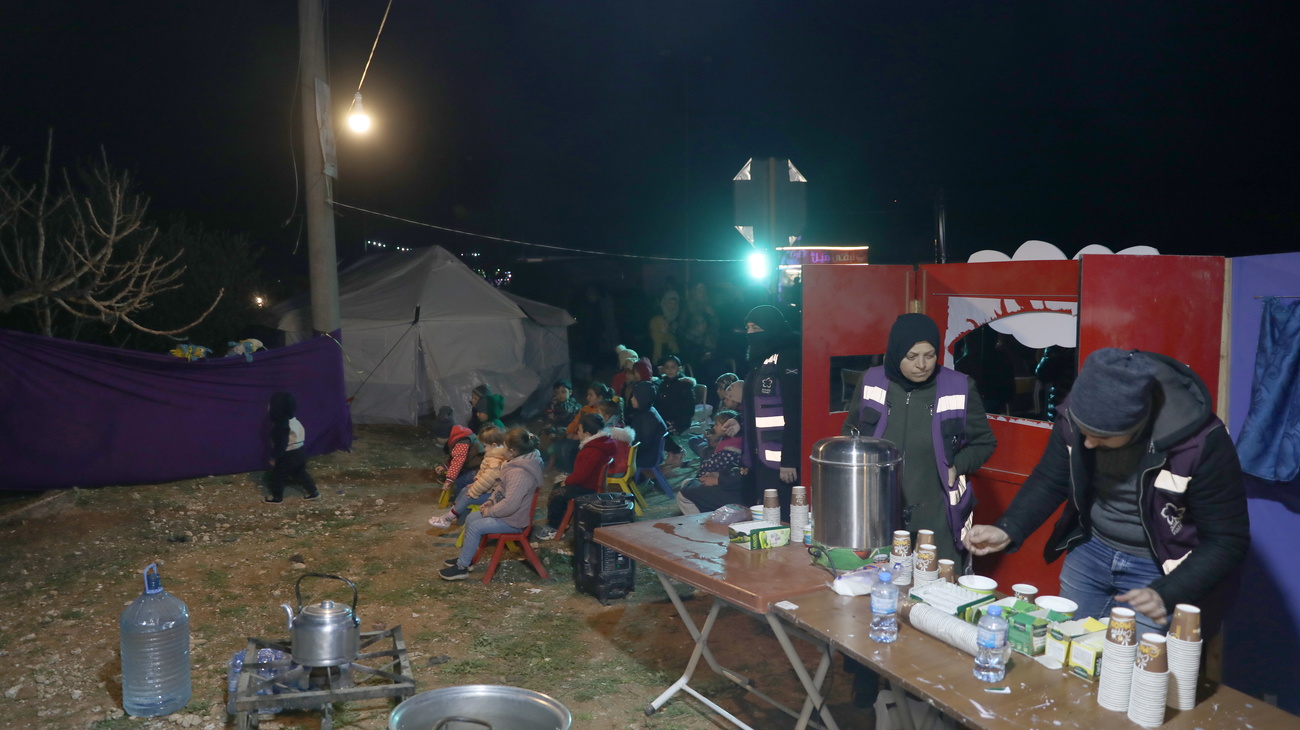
(298, 687)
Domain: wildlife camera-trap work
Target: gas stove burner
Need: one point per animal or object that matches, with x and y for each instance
(289, 686)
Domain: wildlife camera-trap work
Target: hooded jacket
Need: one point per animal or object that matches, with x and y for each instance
(512, 500)
(462, 448)
(287, 434)
(1191, 499)
(649, 425)
(772, 412)
(592, 458)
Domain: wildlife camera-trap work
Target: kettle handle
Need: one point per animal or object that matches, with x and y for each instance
(297, 589)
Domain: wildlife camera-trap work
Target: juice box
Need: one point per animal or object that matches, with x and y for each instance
(1027, 633)
(758, 535)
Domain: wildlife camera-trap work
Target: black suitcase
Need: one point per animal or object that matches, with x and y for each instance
(597, 570)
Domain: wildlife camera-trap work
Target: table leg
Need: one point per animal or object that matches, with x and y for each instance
(904, 709)
(811, 685)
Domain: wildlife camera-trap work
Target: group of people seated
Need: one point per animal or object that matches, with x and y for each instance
(490, 472)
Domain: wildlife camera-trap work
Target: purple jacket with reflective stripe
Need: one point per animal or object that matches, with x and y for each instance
(947, 429)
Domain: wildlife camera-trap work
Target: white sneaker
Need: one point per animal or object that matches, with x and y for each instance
(546, 532)
(441, 521)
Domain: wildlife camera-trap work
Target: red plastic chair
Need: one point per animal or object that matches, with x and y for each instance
(508, 538)
(568, 513)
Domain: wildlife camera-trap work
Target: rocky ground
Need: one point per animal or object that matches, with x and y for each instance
(71, 561)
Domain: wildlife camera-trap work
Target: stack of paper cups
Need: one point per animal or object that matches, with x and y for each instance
(1184, 644)
(1150, 686)
(798, 513)
(1117, 660)
(925, 567)
(900, 558)
(771, 506)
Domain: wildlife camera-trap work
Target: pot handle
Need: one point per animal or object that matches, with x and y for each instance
(297, 589)
(446, 720)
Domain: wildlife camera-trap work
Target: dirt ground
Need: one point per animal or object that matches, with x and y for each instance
(71, 561)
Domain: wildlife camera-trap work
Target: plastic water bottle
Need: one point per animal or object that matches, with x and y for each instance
(884, 610)
(155, 632)
(991, 661)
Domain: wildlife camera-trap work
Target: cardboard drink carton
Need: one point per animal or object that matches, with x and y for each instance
(758, 535)
(1085, 655)
(1027, 633)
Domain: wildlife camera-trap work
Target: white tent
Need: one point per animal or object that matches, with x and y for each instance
(421, 329)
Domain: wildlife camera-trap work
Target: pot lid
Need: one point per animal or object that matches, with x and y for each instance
(856, 451)
(326, 611)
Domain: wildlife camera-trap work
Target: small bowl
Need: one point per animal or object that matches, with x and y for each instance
(977, 583)
(1057, 604)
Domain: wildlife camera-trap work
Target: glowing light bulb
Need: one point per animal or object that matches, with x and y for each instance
(358, 120)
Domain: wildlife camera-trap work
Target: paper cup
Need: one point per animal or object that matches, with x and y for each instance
(1152, 654)
(925, 537)
(1057, 604)
(902, 543)
(947, 570)
(1116, 679)
(1123, 626)
(1024, 592)
(977, 583)
(1186, 624)
(756, 511)
(926, 557)
(1147, 695)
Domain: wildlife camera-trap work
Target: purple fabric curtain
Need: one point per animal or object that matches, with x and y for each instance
(77, 415)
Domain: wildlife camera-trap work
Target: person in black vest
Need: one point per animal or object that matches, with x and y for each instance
(771, 451)
(1154, 504)
(899, 402)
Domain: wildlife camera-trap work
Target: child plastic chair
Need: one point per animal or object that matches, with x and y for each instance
(655, 473)
(626, 484)
(512, 539)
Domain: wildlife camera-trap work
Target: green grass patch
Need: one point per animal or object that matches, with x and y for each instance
(465, 667)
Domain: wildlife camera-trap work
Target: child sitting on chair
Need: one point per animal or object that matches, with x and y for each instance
(624, 436)
(492, 440)
(597, 447)
(509, 509)
(718, 481)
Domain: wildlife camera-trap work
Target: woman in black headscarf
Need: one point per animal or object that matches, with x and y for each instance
(904, 393)
(772, 452)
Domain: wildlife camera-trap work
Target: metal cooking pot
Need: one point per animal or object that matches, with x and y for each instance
(480, 707)
(324, 634)
(856, 495)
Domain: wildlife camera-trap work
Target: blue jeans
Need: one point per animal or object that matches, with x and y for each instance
(1095, 573)
(463, 501)
(476, 526)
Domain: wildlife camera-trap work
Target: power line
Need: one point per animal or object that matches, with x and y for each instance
(337, 204)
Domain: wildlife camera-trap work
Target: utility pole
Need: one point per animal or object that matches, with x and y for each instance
(322, 260)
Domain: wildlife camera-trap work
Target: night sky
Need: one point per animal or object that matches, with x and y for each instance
(618, 126)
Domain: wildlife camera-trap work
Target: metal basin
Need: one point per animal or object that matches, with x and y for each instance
(480, 706)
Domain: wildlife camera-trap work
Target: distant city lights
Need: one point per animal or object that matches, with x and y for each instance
(377, 244)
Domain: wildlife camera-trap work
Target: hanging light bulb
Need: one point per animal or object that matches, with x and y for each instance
(358, 119)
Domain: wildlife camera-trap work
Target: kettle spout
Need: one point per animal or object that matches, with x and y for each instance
(288, 610)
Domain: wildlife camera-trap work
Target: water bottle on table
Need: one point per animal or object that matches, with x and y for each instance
(155, 635)
(991, 661)
(884, 610)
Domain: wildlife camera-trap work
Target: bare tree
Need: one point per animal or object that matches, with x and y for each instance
(83, 252)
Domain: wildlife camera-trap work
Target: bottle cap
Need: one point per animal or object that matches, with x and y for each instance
(152, 581)
(995, 610)
(885, 576)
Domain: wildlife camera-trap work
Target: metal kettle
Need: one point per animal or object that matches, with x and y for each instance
(324, 634)
(857, 501)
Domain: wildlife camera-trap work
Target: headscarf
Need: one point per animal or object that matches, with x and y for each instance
(776, 332)
(908, 330)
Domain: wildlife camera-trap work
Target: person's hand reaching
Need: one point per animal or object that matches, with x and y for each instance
(985, 539)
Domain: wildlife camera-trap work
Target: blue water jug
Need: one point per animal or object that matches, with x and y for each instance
(155, 632)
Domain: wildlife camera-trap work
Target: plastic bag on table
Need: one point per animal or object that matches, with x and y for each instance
(729, 513)
(857, 582)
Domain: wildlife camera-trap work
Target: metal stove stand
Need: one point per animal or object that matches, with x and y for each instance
(297, 687)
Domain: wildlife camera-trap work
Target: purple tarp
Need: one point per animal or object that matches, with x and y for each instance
(77, 415)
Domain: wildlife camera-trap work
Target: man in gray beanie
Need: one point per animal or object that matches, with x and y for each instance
(1155, 511)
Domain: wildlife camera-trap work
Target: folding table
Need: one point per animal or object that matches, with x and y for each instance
(690, 550)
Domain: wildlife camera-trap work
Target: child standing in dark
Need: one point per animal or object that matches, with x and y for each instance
(288, 460)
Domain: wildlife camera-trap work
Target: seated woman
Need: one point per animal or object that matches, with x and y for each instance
(588, 475)
(510, 508)
(718, 481)
(565, 450)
